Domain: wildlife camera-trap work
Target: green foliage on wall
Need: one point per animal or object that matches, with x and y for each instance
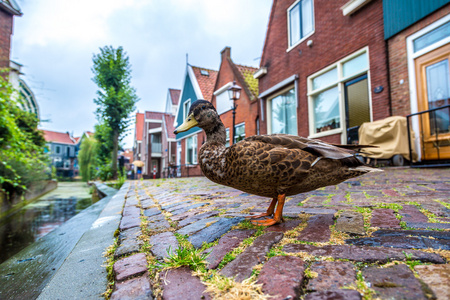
(22, 158)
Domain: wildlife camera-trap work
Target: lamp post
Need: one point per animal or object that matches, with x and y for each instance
(234, 92)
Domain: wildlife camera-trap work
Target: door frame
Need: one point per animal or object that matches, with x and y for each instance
(411, 56)
(429, 138)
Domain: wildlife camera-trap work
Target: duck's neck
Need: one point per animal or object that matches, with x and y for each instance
(216, 134)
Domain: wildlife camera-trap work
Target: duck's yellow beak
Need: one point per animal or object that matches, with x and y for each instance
(187, 124)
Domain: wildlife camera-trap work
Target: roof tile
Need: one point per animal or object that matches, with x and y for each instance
(206, 82)
(58, 137)
(175, 96)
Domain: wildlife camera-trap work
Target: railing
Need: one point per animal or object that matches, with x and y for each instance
(156, 148)
(431, 132)
(180, 171)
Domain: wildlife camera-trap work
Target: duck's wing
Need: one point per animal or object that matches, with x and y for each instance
(315, 147)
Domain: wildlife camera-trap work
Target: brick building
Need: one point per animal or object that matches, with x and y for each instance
(247, 113)
(419, 52)
(8, 9)
(324, 68)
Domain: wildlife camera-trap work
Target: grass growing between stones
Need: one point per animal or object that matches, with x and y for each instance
(394, 206)
(230, 256)
(110, 260)
(185, 255)
(221, 287)
(445, 204)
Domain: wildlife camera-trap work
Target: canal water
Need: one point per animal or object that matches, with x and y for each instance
(44, 215)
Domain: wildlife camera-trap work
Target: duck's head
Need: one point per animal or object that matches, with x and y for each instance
(202, 114)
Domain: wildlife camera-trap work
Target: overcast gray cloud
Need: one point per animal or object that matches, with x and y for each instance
(55, 40)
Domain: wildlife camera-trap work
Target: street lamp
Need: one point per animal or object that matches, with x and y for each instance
(234, 92)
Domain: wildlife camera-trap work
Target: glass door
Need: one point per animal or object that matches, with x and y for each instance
(357, 106)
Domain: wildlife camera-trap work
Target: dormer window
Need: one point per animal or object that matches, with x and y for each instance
(300, 21)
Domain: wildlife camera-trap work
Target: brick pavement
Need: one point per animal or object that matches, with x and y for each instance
(382, 235)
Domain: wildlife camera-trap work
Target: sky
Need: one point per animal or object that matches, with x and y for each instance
(55, 41)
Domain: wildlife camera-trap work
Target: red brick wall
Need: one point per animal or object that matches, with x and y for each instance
(247, 110)
(398, 63)
(6, 25)
(335, 37)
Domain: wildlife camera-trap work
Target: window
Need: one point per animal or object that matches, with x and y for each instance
(57, 149)
(186, 107)
(432, 37)
(300, 21)
(223, 102)
(326, 98)
(227, 143)
(257, 125)
(240, 133)
(282, 113)
(191, 150)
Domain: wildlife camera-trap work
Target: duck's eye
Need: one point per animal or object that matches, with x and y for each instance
(203, 107)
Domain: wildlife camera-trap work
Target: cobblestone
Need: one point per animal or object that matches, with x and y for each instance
(318, 229)
(331, 275)
(226, 243)
(364, 254)
(181, 284)
(241, 267)
(282, 277)
(396, 282)
(206, 212)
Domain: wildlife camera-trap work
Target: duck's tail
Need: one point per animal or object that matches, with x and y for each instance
(365, 169)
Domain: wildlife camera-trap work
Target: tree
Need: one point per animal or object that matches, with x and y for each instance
(22, 158)
(87, 158)
(116, 98)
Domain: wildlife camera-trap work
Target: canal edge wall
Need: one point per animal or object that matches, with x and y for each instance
(84, 271)
(18, 201)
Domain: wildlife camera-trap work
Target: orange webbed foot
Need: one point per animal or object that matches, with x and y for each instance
(267, 222)
(258, 216)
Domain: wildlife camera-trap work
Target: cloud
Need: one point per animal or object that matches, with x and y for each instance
(55, 41)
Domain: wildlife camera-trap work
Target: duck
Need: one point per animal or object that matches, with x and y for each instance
(274, 166)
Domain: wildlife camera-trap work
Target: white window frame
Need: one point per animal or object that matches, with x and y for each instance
(195, 152)
(269, 106)
(187, 104)
(341, 92)
(293, 45)
(235, 127)
(227, 138)
(411, 56)
(221, 91)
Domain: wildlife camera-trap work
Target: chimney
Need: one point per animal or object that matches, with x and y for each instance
(225, 53)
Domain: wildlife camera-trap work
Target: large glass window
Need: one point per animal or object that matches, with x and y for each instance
(191, 150)
(283, 113)
(326, 110)
(326, 99)
(240, 132)
(301, 21)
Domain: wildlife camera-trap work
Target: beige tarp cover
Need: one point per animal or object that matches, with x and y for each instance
(390, 135)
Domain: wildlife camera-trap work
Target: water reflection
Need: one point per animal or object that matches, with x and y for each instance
(35, 221)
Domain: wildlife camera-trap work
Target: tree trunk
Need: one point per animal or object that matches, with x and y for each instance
(114, 154)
